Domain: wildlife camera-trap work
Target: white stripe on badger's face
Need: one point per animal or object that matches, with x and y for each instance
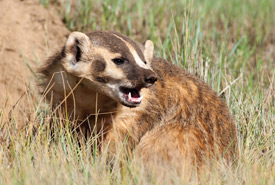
(139, 62)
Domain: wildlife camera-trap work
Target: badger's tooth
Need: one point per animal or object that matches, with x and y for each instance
(140, 98)
(129, 95)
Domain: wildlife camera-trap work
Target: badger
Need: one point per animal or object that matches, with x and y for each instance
(107, 83)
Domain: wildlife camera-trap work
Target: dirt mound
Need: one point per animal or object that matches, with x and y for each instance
(28, 34)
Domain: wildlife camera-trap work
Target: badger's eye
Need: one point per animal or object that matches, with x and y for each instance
(118, 61)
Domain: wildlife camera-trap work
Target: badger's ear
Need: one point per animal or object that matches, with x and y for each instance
(149, 51)
(76, 45)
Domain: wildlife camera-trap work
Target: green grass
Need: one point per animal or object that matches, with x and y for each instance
(228, 44)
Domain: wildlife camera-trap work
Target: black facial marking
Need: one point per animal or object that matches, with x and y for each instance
(101, 79)
(99, 65)
(133, 72)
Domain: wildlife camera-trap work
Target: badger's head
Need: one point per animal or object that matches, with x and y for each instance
(113, 64)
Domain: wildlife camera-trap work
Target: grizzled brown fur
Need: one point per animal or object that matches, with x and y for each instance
(180, 119)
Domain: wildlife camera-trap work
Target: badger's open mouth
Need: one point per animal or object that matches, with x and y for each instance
(131, 96)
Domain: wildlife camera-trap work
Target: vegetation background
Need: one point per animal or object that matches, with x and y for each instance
(229, 44)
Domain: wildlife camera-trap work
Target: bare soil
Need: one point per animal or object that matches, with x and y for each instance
(28, 34)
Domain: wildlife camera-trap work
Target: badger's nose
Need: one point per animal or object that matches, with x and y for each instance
(150, 80)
